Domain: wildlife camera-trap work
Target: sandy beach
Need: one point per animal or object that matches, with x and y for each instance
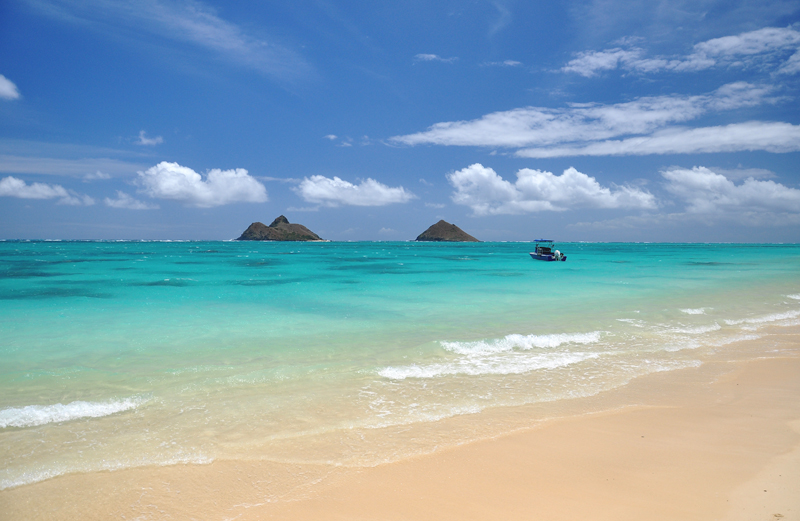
(717, 442)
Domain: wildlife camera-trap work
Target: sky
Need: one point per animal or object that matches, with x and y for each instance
(591, 120)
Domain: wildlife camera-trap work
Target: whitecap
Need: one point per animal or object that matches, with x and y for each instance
(699, 330)
(33, 415)
(765, 319)
(478, 366)
(510, 342)
(696, 311)
(795, 297)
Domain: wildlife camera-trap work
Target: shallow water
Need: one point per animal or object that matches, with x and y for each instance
(120, 354)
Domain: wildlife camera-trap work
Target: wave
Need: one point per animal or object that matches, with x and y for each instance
(765, 319)
(43, 473)
(795, 297)
(33, 415)
(697, 311)
(699, 330)
(511, 342)
(478, 366)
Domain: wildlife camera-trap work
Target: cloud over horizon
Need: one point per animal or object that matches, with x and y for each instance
(179, 183)
(486, 193)
(13, 187)
(706, 192)
(127, 202)
(334, 191)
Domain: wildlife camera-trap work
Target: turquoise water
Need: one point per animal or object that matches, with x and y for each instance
(122, 354)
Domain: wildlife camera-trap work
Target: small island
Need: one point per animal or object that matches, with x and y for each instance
(443, 231)
(280, 230)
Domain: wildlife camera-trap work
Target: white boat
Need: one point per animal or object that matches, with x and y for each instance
(545, 250)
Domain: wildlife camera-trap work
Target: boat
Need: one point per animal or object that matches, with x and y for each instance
(545, 250)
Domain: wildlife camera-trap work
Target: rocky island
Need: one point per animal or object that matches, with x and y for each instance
(443, 231)
(280, 230)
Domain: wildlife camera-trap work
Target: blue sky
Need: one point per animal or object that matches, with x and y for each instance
(594, 120)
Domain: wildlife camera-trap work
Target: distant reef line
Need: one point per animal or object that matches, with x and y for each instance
(282, 230)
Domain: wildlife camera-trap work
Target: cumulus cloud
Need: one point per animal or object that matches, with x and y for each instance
(13, 187)
(433, 58)
(7, 89)
(752, 135)
(708, 192)
(486, 193)
(148, 141)
(173, 181)
(572, 130)
(334, 191)
(763, 47)
(127, 202)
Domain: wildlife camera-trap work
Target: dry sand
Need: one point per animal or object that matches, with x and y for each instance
(718, 442)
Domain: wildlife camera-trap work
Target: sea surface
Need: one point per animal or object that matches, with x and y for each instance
(124, 354)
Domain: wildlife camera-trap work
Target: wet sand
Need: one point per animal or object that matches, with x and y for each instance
(717, 442)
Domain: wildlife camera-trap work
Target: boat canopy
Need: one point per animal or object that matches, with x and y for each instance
(542, 240)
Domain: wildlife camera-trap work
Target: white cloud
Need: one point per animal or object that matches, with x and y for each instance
(7, 89)
(792, 65)
(504, 63)
(173, 181)
(761, 47)
(96, 176)
(332, 137)
(148, 141)
(335, 192)
(751, 135)
(125, 201)
(589, 63)
(433, 58)
(581, 124)
(437, 206)
(80, 168)
(13, 187)
(486, 193)
(707, 192)
(739, 172)
(189, 21)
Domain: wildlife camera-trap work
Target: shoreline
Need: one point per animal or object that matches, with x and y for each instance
(697, 443)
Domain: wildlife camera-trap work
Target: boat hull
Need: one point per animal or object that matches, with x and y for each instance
(548, 258)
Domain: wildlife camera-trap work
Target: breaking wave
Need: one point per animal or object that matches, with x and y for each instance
(697, 311)
(765, 319)
(477, 366)
(511, 342)
(33, 415)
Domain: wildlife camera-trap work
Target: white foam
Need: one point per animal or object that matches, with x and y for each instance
(697, 311)
(632, 321)
(46, 472)
(765, 319)
(795, 297)
(478, 366)
(33, 415)
(696, 330)
(511, 342)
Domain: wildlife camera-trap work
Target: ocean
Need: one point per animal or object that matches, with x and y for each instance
(125, 354)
